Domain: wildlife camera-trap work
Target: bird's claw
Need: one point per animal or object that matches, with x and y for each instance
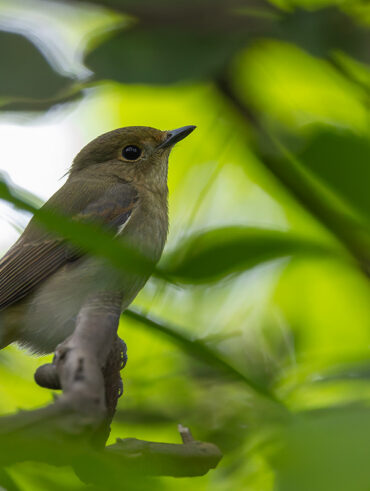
(123, 347)
(120, 390)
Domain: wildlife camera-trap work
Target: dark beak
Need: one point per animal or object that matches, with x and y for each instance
(174, 136)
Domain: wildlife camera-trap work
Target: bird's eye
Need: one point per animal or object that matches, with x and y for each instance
(131, 152)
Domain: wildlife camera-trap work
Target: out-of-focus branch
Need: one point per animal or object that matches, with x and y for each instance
(287, 169)
(191, 458)
(125, 460)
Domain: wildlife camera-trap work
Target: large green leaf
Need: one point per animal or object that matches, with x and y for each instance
(203, 257)
(172, 42)
(161, 56)
(324, 451)
(26, 75)
(191, 40)
(341, 160)
(90, 238)
(325, 30)
(213, 254)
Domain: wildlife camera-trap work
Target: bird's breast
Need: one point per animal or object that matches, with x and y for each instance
(147, 228)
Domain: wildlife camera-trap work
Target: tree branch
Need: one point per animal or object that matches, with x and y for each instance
(73, 429)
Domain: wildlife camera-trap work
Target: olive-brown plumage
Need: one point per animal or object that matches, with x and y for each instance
(118, 180)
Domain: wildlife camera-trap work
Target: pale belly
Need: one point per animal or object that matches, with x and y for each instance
(48, 316)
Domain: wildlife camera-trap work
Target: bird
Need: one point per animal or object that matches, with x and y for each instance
(119, 181)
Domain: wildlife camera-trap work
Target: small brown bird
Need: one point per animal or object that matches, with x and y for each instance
(118, 180)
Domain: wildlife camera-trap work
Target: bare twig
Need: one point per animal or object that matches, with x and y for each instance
(185, 434)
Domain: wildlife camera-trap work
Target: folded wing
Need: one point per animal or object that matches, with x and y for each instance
(34, 257)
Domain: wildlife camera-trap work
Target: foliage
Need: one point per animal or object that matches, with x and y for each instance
(254, 329)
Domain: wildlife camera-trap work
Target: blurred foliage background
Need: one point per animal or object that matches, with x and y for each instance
(263, 321)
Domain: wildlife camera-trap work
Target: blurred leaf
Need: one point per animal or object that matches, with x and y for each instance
(325, 30)
(59, 448)
(340, 159)
(205, 13)
(7, 483)
(325, 450)
(90, 238)
(73, 94)
(161, 56)
(25, 72)
(216, 253)
(172, 42)
(267, 79)
(202, 352)
(348, 371)
(195, 40)
(205, 257)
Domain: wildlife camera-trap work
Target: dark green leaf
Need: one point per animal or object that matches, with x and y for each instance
(327, 29)
(7, 482)
(161, 56)
(340, 159)
(71, 95)
(25, 72)
(204, 257)
(216, 253)
(172, 42)
(89, 238)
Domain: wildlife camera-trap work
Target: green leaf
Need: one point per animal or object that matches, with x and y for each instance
(216, 253)
(204, 257)
(161, 56)
(7, 482)
(172, 43)
(340, 159)
(90, 238)
(324, 30)
(195, 40)
(202, 352)
(325, 450)
(26, 75)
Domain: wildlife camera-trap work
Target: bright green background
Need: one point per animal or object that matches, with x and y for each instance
(295, 320)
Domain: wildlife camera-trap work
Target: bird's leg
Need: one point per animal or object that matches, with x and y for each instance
(47, 376)
(113, 389)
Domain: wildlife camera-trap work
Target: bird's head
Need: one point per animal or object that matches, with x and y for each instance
(135, 153)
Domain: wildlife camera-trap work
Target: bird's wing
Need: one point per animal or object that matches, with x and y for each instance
(37, 254)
